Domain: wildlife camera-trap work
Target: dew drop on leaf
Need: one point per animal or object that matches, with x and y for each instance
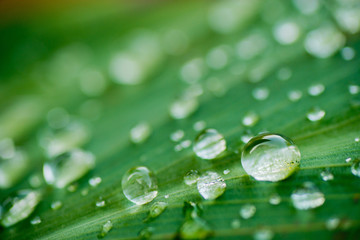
(156, 209)
(326, 175)
(315, 114)
(355, 168)
(263, 234)
(211, 185)
(105, 229)
(191, 177)
(270, 157)
(140, 133)
(247, 211)
(307, 197)
(275, 199)
(177, 135)
(316, 89)
(261, 94)
(95, 181)
(209, 144)
(250, 119)
(56, 205)
(332, 223)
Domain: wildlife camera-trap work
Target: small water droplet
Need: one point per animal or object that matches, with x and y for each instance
(261, 94)
(226, 171)
(139, 185)
(294, 95)
(236, 223)
(275, 199)
(199, 126)
(326, 175)
(105, 229)
(126, 68)
(156, 209)
(209, 144)
(286, 32)
(252, 45)
(284, 74)
(348, 53)
(332, 223)
(12, 169)
(315, 114)
(92, 82)
(218, 57)
(177, 135)
(247, 211)
(355, 168)
(68, 167)
(246, 137)
(20, 206)
(140, 133)
(193, 70)
(146, 233)
(263, 234)
(100, 203)
(56, 205)
(270, 157)
(324, 42)
(191, 177)
(211, 185)
(35, 221)
(354, 89)
(357, 139)
(95, 181)
(307, 197)
(307, 6)
(316, 89)
(250, 119)
(348, 160)
(183, 107)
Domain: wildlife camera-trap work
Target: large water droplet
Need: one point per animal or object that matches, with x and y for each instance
(139, 185)
(68, 167)
(19, 207)
(140, 133)
(247, 211)
(270, 157)
(211, 185)
(355, 168)
(315, 114)
(209, 144)
(307, 197)
(324, 42)
(191, 177)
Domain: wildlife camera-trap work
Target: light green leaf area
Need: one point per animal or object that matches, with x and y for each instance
(104, 30)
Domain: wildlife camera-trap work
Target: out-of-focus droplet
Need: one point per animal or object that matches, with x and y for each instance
(193, 70)
(275, 199)
(19, 207)
(251, 46)
(226, 171)
(218, 57)
(211, 185)
(307, 6)
(354, 89)
(199, 126)
(284, 74)
(326, 175)
(263, 234)
(139, 185)
(177, 135)
(216, 86)
(247, 211)
(294, 95)
(355, 168)
(250, 119)
(348, 18)
(68, 167)
(332, 223)
(127, 69)
(315, 114)
(270, 157)
(95, 181)
(183, 107)
(236, 223)
(348, 53)
(286, 32)
(7, 148)
(324, 42)
(140, 133)
(191, 177)
(316, 89)
(260, 94)
(307, 197)
(56, 205)
(12, 169)
(209, 144)
(35, 221)
(175, 42)
(348, 160)
(92, 82)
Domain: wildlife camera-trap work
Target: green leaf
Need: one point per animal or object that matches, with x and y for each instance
(43, 56)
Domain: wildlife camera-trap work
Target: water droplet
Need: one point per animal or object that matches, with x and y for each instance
(156, 209)
(35, 221)
(100, 203)
(211, 185)
(199, 126)
(294, 95)
(56, 205)
(140, 133)
(286, 32)
(191, 177)
(270, 157)
(357, 139)
(251, 46)
(183, 107)
(68, 167)
(315, 114)
(226, 171)
(166, 196)
(275, 199)
(105, 229)
(146, 233)
(139, 185)
(236, 223)
(177, 135)
(12, 169)
(260, 94)
(209, 144)
(307, 6)
(348, 18)
(324, 42)
(348, 160)
(348, 53)
(19, 207)
(95, 181)
(307, 197)
(263, 234)
(284, 74)
(193, 70)
(126, 68)
(326, 175)
(218, 57)
(354, 89)
(355, 168)
(247, 211)
(246, 137)
(316, 89)
(250, 119)
(332, 223)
